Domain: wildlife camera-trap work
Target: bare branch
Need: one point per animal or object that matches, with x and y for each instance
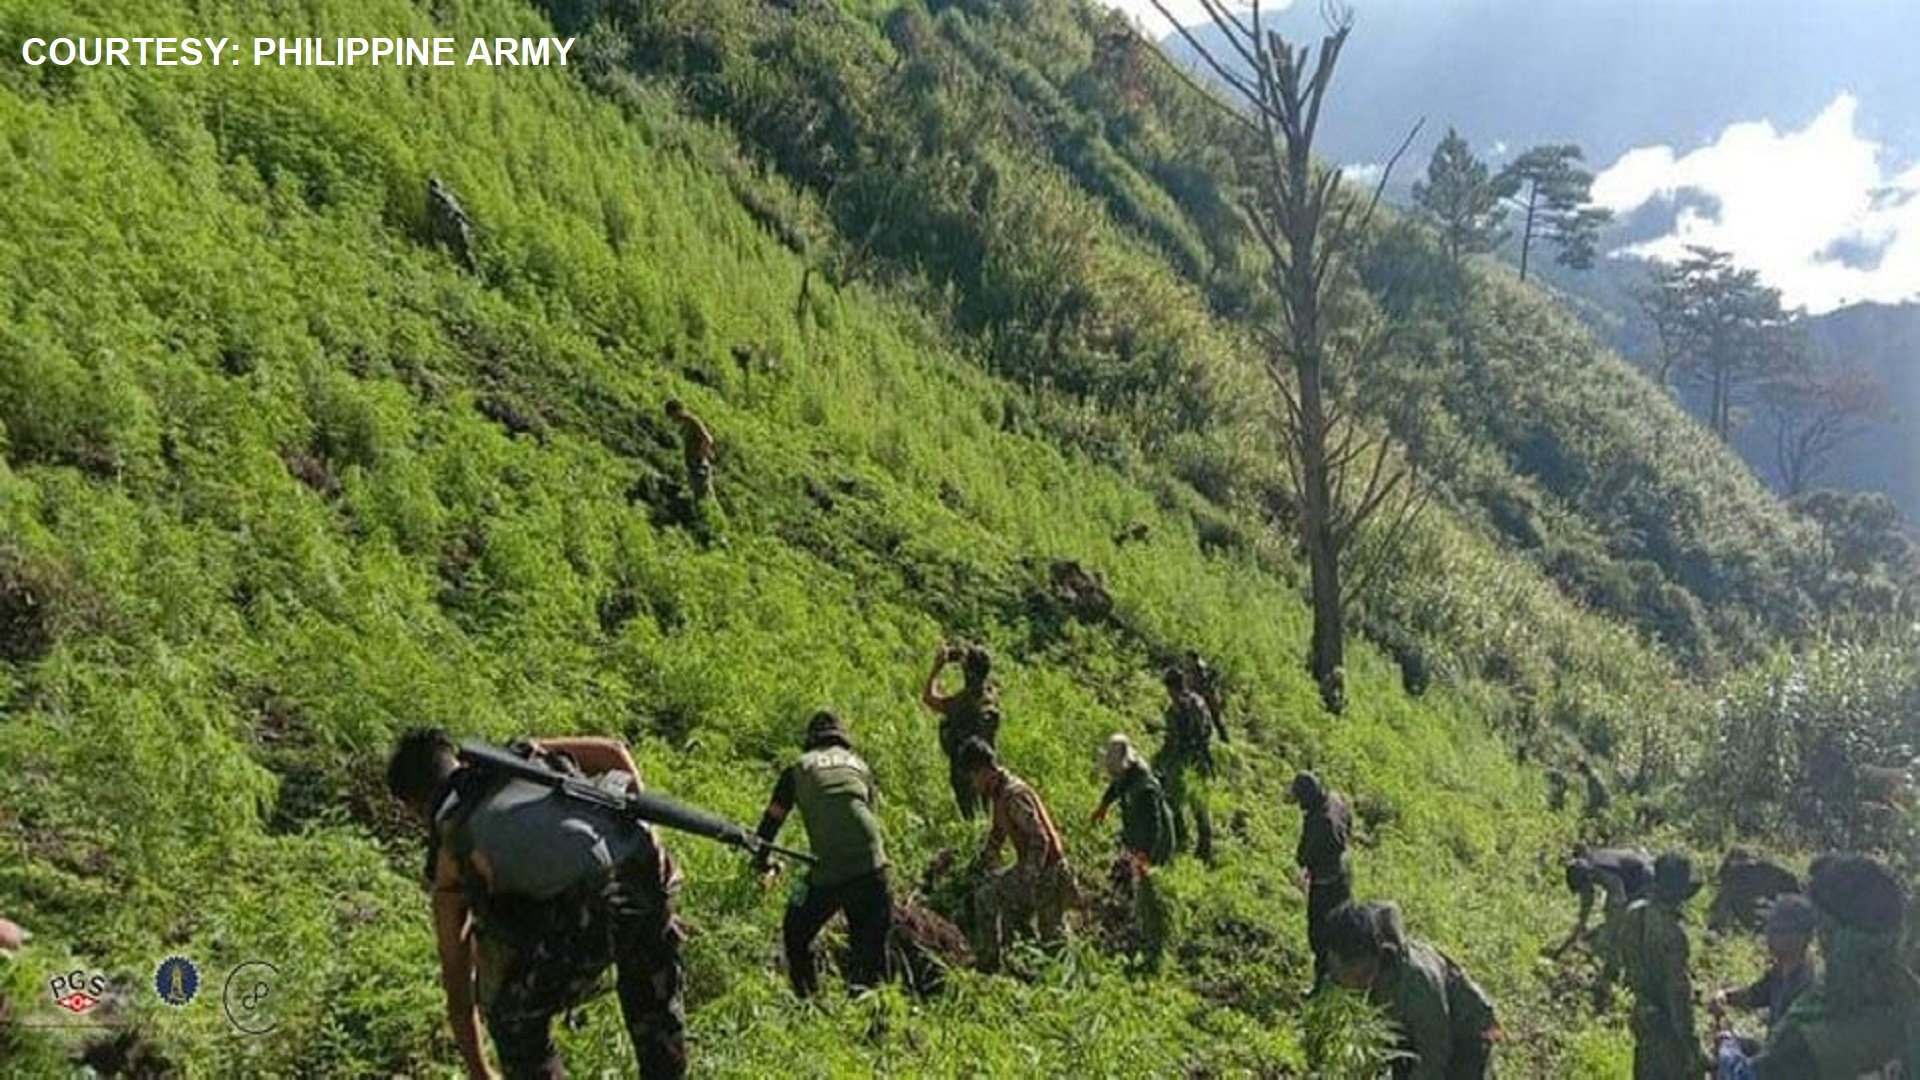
(1386, 172)
(1206, 55)
(1210, 94)
(1322, 76)
(1380, 483)
(1237, 34)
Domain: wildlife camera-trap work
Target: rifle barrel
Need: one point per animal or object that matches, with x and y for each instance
(646, 805)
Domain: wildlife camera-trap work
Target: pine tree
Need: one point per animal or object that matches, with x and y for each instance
(1462, 200)
(1554, 193)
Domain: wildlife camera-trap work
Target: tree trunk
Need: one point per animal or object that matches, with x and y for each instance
(1317, 527)
(1526, 234)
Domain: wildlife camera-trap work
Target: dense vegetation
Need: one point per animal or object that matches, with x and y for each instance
(279, 481)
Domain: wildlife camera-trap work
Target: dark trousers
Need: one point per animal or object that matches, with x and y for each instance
(964, 797)
(633, 918)
(869, 910)
(1184, 779)
(1322, 898)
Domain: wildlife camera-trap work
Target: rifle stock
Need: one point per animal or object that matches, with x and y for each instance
(646, 806)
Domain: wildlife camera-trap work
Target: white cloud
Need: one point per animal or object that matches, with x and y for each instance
(1364, 173)
(1188, 12)
(1786, 204)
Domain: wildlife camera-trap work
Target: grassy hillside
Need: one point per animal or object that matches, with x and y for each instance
(280, 481)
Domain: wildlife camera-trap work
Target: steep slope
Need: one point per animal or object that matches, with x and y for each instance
(280, 481)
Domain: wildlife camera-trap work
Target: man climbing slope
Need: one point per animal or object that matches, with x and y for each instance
(535, 895)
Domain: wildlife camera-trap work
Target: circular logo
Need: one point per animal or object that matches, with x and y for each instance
(176, 980)
(251, 997)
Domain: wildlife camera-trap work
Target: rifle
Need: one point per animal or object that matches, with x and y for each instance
(642, 805)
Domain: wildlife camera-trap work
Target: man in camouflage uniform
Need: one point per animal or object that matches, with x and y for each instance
(1598, 797)
(1185, 762)
(451, 227)
(834, 791)
(1204, 680)
(696, 445)
(1446, 1022)
(972, 713)
(1038, 887)
(1326, 826)
(535, 895)
(1648, 943)
(1862, 1017)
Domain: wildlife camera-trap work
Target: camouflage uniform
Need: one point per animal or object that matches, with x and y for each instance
(555, 956)
(1326, 826)
(1184, 764)
(537, 957)
(696, 447)
(1038, 888)
(1864, 1013)
(1648, 943)
(451, 226)
(1445, 1019)
(973, 713)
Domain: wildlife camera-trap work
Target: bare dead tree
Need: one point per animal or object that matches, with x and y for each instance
(1815, 413)
(1309, 222)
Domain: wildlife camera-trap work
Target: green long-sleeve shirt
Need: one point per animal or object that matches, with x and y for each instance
(1437, 1008)
(1650, 946)
(1146, 822)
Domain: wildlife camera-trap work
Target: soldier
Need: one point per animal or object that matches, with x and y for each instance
(1205, 681)
(972, 713)
(834, 791)
(1648, 943)
(1863, 1014)
(696, 443)
(1622, 875)
(1146, 821)
(451, 227)
(1039, 886)
(1789, 928)
(1185, 762)
(536, 894)
(1598, 798)
(1325, 827)
(1146, 841)
(1446, 1022)
(1556, 790)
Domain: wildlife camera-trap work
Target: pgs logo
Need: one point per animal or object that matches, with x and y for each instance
(78, 991)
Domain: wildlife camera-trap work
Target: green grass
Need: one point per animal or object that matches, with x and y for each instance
(249, 481)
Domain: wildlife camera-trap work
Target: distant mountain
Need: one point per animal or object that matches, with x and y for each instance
(1886, 340)
(1610, 75)
(1883, 338)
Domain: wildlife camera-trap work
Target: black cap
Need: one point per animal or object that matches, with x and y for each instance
(825, 727)
(1307, 789)
(1673, 880)
(1858, 892)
